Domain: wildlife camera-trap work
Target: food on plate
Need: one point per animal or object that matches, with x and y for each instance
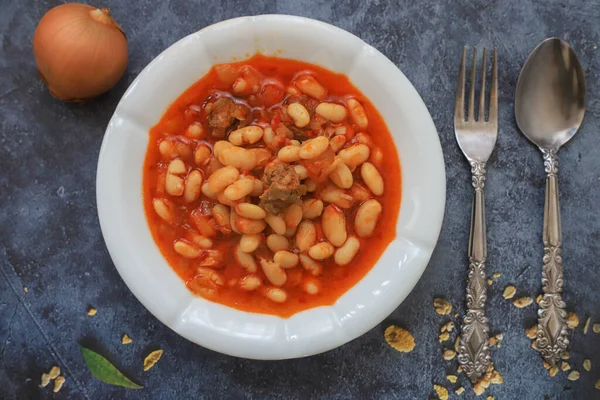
(271, 185)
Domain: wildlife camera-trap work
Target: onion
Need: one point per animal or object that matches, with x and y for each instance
(80, 51)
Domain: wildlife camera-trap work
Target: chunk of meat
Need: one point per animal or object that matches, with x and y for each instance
(284, 188)
(224, 113)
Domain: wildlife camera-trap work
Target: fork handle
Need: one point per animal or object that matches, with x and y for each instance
(473, 350)
(552, 335)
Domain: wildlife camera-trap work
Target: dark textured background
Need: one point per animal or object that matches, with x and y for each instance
(50, 240)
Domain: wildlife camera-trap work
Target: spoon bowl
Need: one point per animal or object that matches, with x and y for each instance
(550, 97)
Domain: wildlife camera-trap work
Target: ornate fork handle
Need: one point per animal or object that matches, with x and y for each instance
(552, 337)
(474, 351)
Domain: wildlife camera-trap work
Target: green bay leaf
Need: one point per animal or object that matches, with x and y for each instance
(102, 369)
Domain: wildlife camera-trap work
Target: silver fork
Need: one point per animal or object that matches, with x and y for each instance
(476, 139)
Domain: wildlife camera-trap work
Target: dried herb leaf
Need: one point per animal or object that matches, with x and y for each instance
(102, 369)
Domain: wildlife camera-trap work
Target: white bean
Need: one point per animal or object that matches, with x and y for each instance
(239, 189)
(367, 217)
(245, 260)
(321, 251)
(337, 142)
(201, 155)
(251, 211)
(276, 294)
(176, 167)
(346, 253)
(311, 285)
(372, 178)
(249, 226)
(201, 241)
(310, 265)
(221, 215)
(286, 259)
(164, 208)
(258, 188)
(193, 186)
(333, 194)
(313, 147)
(276, 242)
(207, 192)
(274, 273)
(333, 223)
(342, 177)
(289, 154)
(355, 155)
(309, 86)
(311, 185)
(301, 171)
(299, 114)
(222, 178)
(333, 112)
(276, 223)
(186, 249)
(238, 157)
(225, 200)
(174, 185)
(195, 131)
(220, 147)
(359, 192)
(306, 235)
(292, 216)
(357, 112)
(250, 282)
(249, 243)
(312, 208)
(246, 135)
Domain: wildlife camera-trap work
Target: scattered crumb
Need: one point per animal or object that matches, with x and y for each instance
(496, 378)
(565, 355)
(448, 327)
(531, 332)
(509, 292)
(539, 298)
(522, 302)
(595, 47)
(400, 339)
(457, 343)
(489, 281)
(573, 375)
(572, 320)
(448, 354)
(496, 275)
(441, 391)
(461, 390)
(25, 289)
(534, 345)
(493, 341)
(500, 336)
(459, 369)
(586, 326)
(455, 315)
(490, 398)
(58, 383)
(126, 339)
(587, 364)
(597, 385)
(152, 359)
(546, 364)
(444, 336)
(478, 388)
(452, 378)
(45, 380)
(565, 366)
(553, 370)
(54, 372)
(596, 328)
(92, 312)
(442, 306)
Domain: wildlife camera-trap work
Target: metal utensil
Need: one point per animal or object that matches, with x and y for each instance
(476, 138)
(549, 107)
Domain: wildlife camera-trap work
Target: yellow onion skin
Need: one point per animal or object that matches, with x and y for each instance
(80, 51)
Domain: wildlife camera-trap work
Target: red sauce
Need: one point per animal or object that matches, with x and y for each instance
(276, 75)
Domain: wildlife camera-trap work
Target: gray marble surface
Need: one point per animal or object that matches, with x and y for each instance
(50, 240)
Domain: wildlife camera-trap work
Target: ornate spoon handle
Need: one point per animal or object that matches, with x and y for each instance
(552, 337)
(474, 350)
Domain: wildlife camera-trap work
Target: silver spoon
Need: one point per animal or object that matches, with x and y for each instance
(549, 107)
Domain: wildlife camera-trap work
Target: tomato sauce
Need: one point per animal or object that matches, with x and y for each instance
(277, 74)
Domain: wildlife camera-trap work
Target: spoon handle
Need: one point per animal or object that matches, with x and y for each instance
(552, 337)
(473, 350)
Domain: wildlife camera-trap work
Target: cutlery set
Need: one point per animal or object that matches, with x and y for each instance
(549, 109)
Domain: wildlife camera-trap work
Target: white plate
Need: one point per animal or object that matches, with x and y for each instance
(224, 329)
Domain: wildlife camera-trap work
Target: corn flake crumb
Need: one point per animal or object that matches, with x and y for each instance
(546, 364)
(509, 292)
(596, 328)
(553, 370)
(490, 398)
(58, 383)
(489, 281)
(459, 369)
(152, 359)
(523, 302)
(532, 332)
(448, 354)
(496, 378)
(25, 289)
(572, 320)
(400, 339)
(461, 390)
(444, 336)
(534, 345)
(45, 380)
(447, 327)
(597, 385)
(493, 341)
(573, 375)
(587, 364)
(92, 312)
(442, 306)
(539, 298)
(452, 378)
(586, 326)
(565, 366)
(565, 355)
(54, 372)
(496, 275)
(478, 388)
(441, 391)
(457, 343)
(500, 336)
(126, 339)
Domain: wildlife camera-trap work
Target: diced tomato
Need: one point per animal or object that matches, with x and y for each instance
(316, 166)
(270, 95)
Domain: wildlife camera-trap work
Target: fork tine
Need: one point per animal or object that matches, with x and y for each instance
(481, 116)
(493, 115)
(471, 112)
(459, 105)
